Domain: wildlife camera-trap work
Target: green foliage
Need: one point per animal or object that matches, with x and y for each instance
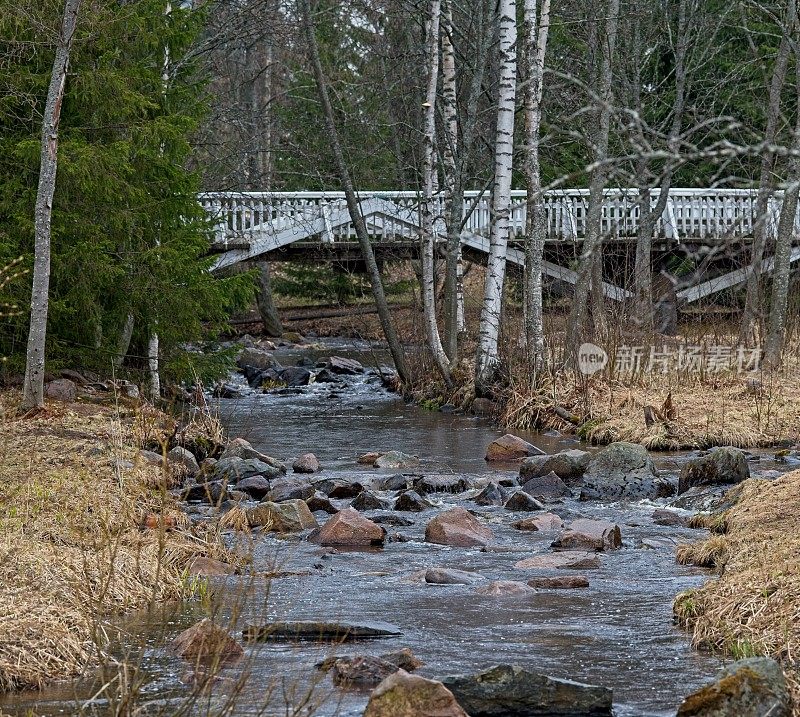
(128, 236)
(323, 283)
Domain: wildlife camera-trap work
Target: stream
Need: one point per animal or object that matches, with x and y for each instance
(617, 633)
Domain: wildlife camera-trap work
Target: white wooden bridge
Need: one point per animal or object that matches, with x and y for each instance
(251, 224)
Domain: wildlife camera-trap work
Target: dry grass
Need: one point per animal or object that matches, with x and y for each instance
(710, 553)
(753, 608)
(71, 546)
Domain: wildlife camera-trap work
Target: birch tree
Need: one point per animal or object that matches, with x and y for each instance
(378, 294)
(590, 266)
(534, 51)
(33, 391)
(487, 354)
(766, 180)
(428, 238)
(776, 330)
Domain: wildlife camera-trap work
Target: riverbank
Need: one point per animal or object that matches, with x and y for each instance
(88, 530)
(752, 607)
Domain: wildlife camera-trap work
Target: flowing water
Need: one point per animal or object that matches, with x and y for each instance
(617, 633)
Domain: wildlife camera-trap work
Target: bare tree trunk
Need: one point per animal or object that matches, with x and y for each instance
(535, 49)
(382, 306)
(590, 267)
(428, 238)
(266, 306)
(783, 246)
(124, 342)
(487, 357)
(152, 364)
(747, 328)
(33, 391)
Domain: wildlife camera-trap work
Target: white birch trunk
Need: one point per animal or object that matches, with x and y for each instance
(535, 49)
(428, 238)
(33, 390)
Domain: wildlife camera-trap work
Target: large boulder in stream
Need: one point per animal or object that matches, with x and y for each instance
(306, 463)
(623, 471)
(256, 358)
(240, 448)
(234, 469)
(458, 528)
(405, 695)
(754, 687)
(339, 365)
(511, 691)
(290, 489)
(396, 459)
(569, 466)
(206, 643)
(548, 487)
(291, 516)
(510, 448)
(719, 466)
(349, 528)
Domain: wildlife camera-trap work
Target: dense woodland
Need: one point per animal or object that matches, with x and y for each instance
(163, 99)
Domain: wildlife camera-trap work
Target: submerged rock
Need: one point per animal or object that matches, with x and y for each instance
(572, 559)
(569, 466)
(511, 691)
(405, 695)
(458, 528)
(504, 587)
(349, 528)
(510, 448)
(361, 671)
(754, 687)
(449, 576)
(560, 582)
(584, 534)
(396, 459)
(718, 466)
(623, 471)
(318, 631)
(206, 643)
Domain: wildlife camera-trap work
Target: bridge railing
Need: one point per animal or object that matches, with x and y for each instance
(689, 213)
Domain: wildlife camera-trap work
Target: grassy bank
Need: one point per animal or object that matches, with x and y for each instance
(73, 549)
(753, 607)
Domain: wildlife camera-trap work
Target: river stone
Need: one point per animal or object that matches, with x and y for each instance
(339, 365)
(449, 576)
(325, 375)
(256, 358)
(290, 516)
(367, 500)
(349, 528)
(62, 389)
(458, 528)
(183, 457)
(306, 463)
(255, 486)
(442, 484)
(403, 659)
(572, 559)
(368, 459)
(240, 448)
(295, 376)
(361, 671)
(662, 516)
(511, 691)
(319, 631)
(504, 587)
(206, 643)
(339, 488)
(290, 489)
(234, 469)
(510, 448)
(623, 470)
(492, 494)
(547, 487)
(208, 567)
(719, 465)
(320, 501)
(398, 481)
(396, 459)
(411, 501)
(405, 695)
(523, 501)
(754, 687)
(543, 522)
(585, 534)
(560, 582)
(151, 458)
(214, 492)
(567, 465)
